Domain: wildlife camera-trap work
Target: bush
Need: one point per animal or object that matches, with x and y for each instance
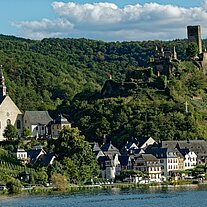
(59, 181)
(14, 186)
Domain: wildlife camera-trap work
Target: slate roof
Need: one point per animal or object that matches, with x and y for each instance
(38, 117)
(184, 151)
(98, 153)
(95, 147)
(123, 160)
(197, 146)
(142, 140)
(2, 99)
(61, 120)
(33, 155)
(46, 159)
(148, 157)
(161, 153)
(107, 147)
(130, 145)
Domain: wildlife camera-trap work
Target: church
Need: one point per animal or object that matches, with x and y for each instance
(9, 112)
(38, 122)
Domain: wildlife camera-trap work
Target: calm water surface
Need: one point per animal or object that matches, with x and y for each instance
(189, 196)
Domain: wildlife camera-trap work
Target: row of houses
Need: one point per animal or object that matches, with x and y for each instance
(158, 160)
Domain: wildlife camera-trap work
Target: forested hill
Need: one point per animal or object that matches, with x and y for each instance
(40, 74)
(68, 74)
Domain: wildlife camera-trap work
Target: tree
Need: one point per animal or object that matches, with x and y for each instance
(59, 181)
(41, 176)
(26, 133)
(10, 132)
(14, 186)
(76, 156)
(192, 50)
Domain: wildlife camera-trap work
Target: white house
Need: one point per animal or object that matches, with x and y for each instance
(190, 159)
(21, 154)
(110, 164)
(169, 160)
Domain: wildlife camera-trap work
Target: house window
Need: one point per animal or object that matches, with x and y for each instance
(18, 124)
(8, 121)
(0, 124)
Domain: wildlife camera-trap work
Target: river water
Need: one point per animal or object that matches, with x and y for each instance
(182, 196)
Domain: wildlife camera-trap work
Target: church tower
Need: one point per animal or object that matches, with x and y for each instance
(2, 84)
(174, 53)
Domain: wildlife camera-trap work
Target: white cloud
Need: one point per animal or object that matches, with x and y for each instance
(107, 21)
(44, 28)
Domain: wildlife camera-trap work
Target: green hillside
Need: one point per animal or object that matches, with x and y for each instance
(40, 74)
(68, 74)
(145, 111)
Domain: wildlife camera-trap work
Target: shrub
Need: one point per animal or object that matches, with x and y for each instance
(14, 186)
(59, 181)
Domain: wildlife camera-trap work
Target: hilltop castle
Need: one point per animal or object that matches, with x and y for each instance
(161, 63)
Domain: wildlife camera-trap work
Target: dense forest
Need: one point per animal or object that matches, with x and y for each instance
(66, 75)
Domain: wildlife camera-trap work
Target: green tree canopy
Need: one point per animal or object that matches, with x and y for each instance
(26, 133)
(10, 132)
(59, 181)
(192, 50)
(75, 155)
(14, 186)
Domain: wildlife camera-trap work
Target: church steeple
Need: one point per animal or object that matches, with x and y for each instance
(2, 84)
(174, 53)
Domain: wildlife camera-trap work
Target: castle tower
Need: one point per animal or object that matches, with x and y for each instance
(194, 35)
(2, 84)
(174, 53)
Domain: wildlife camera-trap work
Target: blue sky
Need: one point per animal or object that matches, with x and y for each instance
(108, 20)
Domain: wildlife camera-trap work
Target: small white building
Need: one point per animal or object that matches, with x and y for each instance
(21, 154)
(110, 164)
(190, 159)
(112, 167)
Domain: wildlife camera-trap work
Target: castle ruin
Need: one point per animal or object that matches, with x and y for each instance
(194, 35)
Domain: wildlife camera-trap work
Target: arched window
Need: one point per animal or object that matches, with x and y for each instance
(18, 124)
(8, 121)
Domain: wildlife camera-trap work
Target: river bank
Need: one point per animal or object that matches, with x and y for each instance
(78, 188)
(153, 196)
